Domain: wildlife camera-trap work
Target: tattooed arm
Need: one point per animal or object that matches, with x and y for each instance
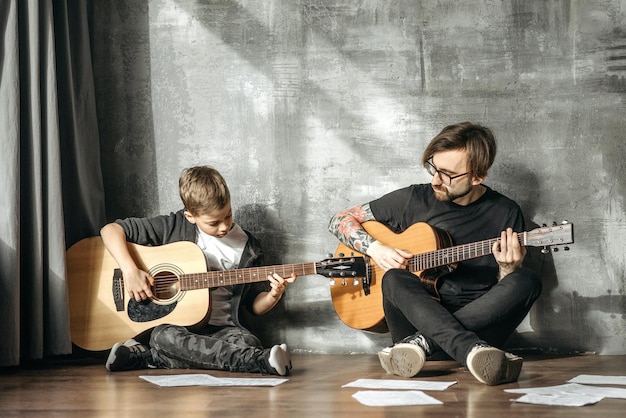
(346, 226)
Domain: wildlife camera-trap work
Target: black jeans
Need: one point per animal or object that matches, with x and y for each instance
(465, 316)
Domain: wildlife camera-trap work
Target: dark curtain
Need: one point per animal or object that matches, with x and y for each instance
(50, 182)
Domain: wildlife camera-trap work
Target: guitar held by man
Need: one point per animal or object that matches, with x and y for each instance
(359, 303)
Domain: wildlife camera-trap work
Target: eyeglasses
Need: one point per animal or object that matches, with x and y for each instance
(445, 178)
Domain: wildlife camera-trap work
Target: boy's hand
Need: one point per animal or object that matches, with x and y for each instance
(138, 284)
(279, 284)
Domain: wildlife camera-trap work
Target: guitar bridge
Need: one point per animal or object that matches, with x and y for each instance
(118, 290)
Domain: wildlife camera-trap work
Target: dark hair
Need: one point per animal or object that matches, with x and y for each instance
(203, 190)
(477, 140)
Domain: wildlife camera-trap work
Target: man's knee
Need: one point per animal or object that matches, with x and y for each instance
(392, 279)
(527, 281)
(401, 282)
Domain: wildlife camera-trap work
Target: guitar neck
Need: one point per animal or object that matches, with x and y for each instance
(211, 279)
(455, 254)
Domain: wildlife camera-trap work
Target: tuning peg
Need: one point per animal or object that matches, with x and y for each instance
(544, 225)
(564, 222)
(330, 255)
(566, 248)
(355, 282)
(556, 249)
(332, 282)
(545, 250)
(340, 255)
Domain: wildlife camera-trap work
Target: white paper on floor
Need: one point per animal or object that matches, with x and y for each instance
(595, 379)
(398, 384)
(196, 379)
(394, 398)
(569, 394)
(559, 400)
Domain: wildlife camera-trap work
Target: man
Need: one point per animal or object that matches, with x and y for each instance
(482, 300)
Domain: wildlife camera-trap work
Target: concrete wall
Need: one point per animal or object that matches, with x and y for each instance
(309, 107)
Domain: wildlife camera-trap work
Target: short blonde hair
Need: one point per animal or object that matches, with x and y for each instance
(203, 190)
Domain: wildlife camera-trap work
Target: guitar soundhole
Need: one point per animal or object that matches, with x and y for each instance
(166, 286)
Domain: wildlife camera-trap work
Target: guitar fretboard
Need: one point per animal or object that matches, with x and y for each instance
(455, 254)
(211, 279)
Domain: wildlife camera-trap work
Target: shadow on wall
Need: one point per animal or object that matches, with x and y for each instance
(561, 322)
(264, 224)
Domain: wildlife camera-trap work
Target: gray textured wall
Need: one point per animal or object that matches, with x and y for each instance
(308, 107)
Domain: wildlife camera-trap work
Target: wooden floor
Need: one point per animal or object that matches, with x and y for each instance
(85, 389)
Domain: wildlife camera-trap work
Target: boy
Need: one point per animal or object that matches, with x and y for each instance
(224, 343)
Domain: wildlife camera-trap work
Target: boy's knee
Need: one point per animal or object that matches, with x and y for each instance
(165, 333)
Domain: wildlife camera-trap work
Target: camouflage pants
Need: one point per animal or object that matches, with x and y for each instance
(214, 348)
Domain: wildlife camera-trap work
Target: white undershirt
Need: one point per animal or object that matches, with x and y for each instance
(223, 253)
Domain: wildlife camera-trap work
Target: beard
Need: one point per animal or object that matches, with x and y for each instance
(443, 194)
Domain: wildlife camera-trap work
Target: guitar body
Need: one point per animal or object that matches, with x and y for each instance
(96, 323)
(365, 312)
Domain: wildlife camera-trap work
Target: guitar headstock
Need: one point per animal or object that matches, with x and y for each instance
(342, 267)
(550, 236)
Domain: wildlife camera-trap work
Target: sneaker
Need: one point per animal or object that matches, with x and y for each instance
(492, 366)
(419, 340)
(275, 360)
(129, 355)
(406, 358)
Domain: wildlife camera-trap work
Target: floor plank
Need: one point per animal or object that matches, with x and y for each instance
(84, 388)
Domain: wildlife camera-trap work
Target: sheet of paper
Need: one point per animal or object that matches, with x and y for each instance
(398, 384)
(197, 379)
(560, 400)
(569, 394)
(594, 379)
(573, 389)
(394, 398)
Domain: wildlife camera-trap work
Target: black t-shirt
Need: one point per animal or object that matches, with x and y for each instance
(481, 220)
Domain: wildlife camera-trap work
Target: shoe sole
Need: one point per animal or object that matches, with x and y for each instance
(384, 357)
(112, 356)
(495, 367)
(406, 360)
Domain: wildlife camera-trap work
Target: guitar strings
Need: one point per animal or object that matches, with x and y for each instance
(450, 255)
(165, 280)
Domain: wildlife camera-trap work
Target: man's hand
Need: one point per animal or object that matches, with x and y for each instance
(387, 257)
(508, 252)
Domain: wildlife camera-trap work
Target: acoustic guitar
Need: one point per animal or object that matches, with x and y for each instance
(100, 315)
(359, 302)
